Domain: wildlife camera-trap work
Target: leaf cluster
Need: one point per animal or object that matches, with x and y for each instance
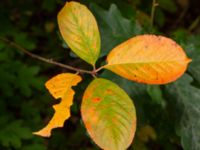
(167, 115)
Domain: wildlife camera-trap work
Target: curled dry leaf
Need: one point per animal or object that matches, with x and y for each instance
(148, 59)
(60, 86)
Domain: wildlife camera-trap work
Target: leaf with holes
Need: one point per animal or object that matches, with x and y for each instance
(79, 29)
(60, 86)
(148, 59)
(109, 115)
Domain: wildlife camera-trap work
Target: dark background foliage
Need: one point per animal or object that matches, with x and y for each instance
(168, 115)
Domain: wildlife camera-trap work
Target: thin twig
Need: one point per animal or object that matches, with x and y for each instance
(154, 5)
(50, 61)
(100, 68)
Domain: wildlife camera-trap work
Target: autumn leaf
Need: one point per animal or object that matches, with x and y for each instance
(60, 87)
(148, 59)
(79, 29)
(109, 115)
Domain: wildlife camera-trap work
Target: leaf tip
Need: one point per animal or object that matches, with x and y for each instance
(188, 60)
(43, 133)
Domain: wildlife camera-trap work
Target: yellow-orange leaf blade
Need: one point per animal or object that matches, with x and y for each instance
(148, 59)
(60, 87)
(79, 29)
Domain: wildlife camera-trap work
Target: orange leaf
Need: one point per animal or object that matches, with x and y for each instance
(148, 59)
(60, 87)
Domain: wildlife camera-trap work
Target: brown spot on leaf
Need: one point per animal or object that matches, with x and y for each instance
(108, 91)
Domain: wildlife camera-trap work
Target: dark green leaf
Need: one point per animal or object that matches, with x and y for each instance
(13, 133)
(114, 27)
(185, 99)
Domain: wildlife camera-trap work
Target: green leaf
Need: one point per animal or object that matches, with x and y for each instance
(13, 133)
(114, 27)
(27, 79)
(15, 75)
(185, 103)
(109, 115)
(79, 29)
(192, 46)
(155, 93)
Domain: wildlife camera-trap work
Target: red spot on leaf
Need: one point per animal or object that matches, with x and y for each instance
(87, 96)
(96, 99)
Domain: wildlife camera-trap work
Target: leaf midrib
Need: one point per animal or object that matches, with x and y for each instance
(85, 37)
(141, 63)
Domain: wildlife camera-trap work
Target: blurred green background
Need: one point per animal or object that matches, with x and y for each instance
(168, 115)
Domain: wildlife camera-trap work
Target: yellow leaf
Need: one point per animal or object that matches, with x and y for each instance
(148, 59)
(60, 87)
(79, 29)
